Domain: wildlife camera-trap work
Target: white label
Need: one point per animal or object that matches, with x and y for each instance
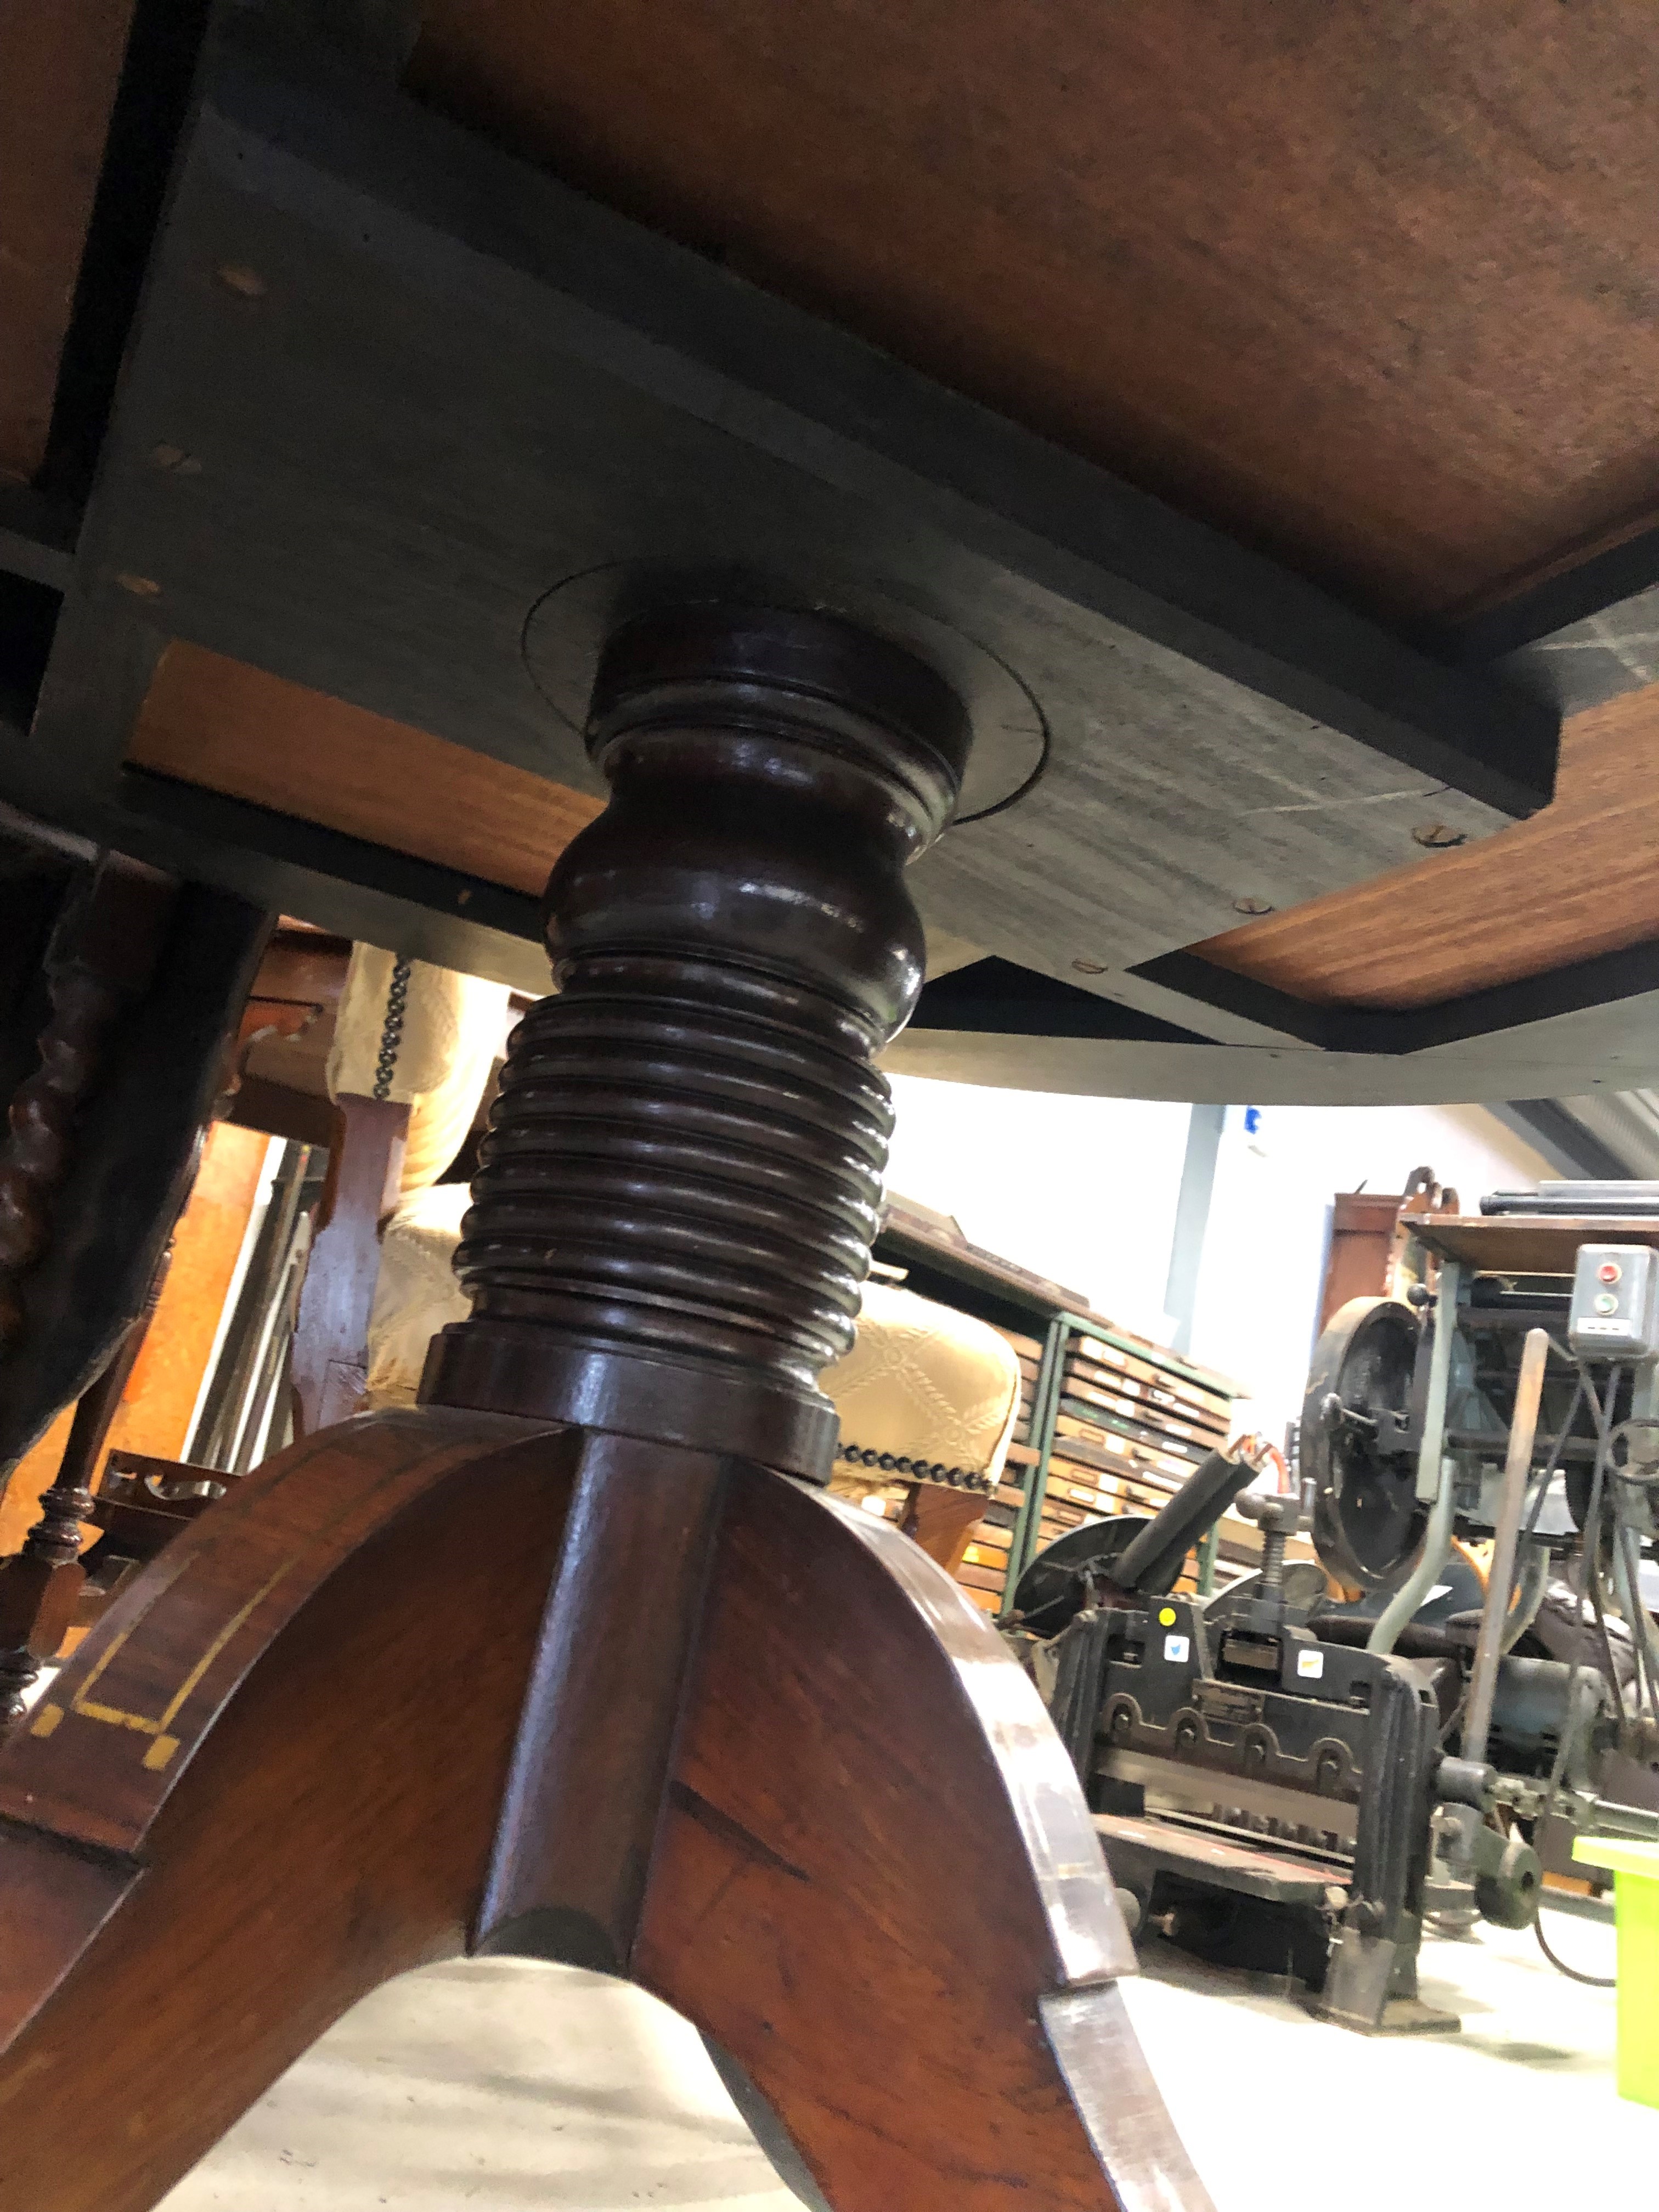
(1440, 1590)
(1175, 1649)
(1311, 1665)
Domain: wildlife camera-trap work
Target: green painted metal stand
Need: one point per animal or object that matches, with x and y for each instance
(1045, 1408)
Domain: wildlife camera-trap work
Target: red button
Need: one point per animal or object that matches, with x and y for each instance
(1609, 1270)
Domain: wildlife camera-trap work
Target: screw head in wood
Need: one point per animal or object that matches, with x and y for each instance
(235, 276)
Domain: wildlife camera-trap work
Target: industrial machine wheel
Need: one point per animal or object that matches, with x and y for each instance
(1368, 1520)
(1055, 1587)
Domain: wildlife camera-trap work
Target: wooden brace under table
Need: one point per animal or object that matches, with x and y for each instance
(578, 1661)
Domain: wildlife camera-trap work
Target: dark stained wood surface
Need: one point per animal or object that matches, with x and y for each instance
(1357, 1262)
(330, 1334)
(1580, 878)
(326, 1829)
(297, 1723)
(843, 1813)
(59, 69)
(580, 1817)
(1375, 287)
(232, 728)
(628, 405)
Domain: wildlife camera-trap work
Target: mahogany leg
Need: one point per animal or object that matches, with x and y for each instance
(943, 1522)
(283, 1769)
(874, 1884)
(267, 1783)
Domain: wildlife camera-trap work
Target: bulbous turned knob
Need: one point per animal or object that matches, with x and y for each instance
(771, 774)
(677, 1194)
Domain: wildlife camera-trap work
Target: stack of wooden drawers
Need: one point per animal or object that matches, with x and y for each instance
(983, 1573)
(1133, 1422)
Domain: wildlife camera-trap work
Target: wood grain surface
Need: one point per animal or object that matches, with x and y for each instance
(842, 1896)
(155, 1409)
(331, 1331)
(942, 1522)
(322, 1822)
(58, 69)
(1375, 287)
(1579, 878)
(211, 720)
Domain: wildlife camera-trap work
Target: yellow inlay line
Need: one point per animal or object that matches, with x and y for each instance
(117, 1716)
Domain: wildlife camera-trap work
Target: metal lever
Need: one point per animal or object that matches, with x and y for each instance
(1152, 1561)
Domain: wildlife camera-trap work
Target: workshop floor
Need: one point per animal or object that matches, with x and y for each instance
(502, 2085)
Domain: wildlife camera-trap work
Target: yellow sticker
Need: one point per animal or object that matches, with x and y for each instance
(1166, 1614)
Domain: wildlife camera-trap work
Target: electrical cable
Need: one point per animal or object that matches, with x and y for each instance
(1640, 1476)
(1589, 1580)
(1592, 1552)
(1572, 1973)
(1589, 1543)
(1641, 1632)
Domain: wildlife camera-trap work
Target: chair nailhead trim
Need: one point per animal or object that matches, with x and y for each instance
(957, 1478)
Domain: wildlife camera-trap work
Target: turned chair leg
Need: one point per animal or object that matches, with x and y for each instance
(40, 1588)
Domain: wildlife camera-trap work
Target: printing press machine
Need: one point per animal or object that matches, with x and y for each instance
(1289, 1781)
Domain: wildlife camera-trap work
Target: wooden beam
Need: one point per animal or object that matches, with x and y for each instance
(227, 727)
(1580, 878)
(59, 66)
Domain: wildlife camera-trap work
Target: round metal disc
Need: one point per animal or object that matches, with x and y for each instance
(1368, 1520)
(1055, 1585)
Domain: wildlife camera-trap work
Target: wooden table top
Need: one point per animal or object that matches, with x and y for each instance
(1365, 294)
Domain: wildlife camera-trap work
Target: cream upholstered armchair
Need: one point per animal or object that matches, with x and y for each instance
(925, 1391)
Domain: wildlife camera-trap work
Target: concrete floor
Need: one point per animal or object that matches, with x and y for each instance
(503, 2085)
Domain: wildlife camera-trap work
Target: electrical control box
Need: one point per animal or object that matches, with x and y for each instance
(1614, 1314)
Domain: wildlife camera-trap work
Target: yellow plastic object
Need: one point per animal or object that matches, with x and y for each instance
(1636, 1907)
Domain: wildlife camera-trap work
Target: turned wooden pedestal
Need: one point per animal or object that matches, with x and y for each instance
(580, 1660)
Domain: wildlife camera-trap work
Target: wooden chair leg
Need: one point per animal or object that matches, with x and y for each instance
(877, 1890)
(42, 1587)
(943, 1522)
(268, 1782)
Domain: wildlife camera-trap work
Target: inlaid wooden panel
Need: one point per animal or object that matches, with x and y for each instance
(1376, 286)
(220, 723)
(59, 63)
(1579, 878)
